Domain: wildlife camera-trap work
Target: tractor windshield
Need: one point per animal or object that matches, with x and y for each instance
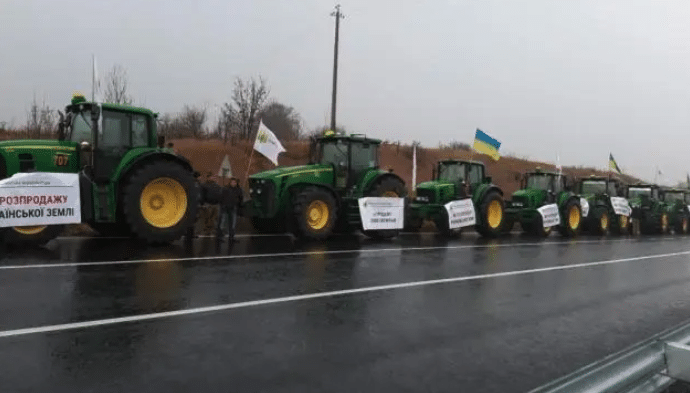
(673, 197)
(593, 187)
(80, 128)
(539, 181)
(333, 152)
(453, 173)
(637, 192)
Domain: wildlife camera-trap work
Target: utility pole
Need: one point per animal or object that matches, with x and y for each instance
(338, 15)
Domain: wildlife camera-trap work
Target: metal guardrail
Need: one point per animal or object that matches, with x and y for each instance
(641, 368)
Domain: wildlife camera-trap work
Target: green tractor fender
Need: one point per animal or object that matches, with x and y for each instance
(137, 158)
(296, 188)
(372, 178)
(564, 200)
(482, 191)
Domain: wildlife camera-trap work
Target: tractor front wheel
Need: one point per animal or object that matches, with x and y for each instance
(159, 202)
(37, 234)
(572, 218)
(315, 213)
(601, 222)
(388, 187)
(682, 226)
(491, 220)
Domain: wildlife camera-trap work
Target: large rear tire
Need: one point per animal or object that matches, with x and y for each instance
(683, 225)
(35, 235)
(315, 213)
(159, 202)
(387, 187)
(491, 215)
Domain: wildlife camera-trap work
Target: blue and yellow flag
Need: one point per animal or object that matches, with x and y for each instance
(613, 165)
(486, 144)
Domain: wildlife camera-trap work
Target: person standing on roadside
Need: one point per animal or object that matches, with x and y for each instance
(230, 205)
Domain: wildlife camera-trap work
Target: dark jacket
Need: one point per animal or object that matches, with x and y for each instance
(211, 193)
(232, 197)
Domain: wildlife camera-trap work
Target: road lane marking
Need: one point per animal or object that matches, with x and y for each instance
(295, 298)
(297, 254)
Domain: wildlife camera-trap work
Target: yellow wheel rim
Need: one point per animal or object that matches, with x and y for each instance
(604, 221)
(624, 222)
(390, 194)
(317, 215)
(163, 202)
(573, 218)
(494, 214)
(685, 225)
(31, 230)
(664, 222)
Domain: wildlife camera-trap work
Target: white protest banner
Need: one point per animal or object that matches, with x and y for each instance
(621, 206)
(40, 198)
(381, 213)
(584, 205)
(549, 215)
(461, 213)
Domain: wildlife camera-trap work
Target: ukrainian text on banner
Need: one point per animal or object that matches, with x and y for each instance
(621, 206)
(549, 215)
(461, 213)
(381, 213)
(40, 198)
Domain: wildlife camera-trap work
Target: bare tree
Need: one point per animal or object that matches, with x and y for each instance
(283, 120)
(192, 121)
(40, 121)
(116, 86)
(240, 115)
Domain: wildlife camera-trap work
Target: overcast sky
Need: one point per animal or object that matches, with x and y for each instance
(573, 78)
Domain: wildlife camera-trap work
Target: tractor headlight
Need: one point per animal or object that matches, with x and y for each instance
(258, 191)
(516, 204)
(422, 199)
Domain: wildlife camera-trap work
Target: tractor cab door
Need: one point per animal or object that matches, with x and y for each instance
(475, 177)
(363, 157)
(119, 133)
(335, 153)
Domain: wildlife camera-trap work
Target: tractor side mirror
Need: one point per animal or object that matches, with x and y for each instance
(95, 113)
(161, 141)
(487, 179)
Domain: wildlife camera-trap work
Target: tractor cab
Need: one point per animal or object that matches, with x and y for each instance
(105, 133)
(545, 181)
(642, 192)
(351, 157)
(673, 195)
(599, 185)
(464, 175)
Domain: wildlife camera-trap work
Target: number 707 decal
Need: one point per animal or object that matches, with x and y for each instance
(61, 159)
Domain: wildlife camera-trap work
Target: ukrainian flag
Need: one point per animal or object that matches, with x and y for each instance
(613, 165)
(486, 144)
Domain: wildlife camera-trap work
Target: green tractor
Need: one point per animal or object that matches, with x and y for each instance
(456, 180)
(602, 219)
(540, 189)
(315, 200)
(677, 209)
(130, 184)
(649, 212)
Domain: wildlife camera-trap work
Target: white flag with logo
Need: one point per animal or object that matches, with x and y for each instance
(267, 143)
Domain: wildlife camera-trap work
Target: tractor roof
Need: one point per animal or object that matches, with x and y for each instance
(674, 189)
(361, 138)
(80, 100)
(643, 185)
(458, 161)
(600, 178)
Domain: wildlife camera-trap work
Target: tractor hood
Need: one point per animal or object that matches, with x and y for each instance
(40, 155)
(302, 170)
(434, 185)
(528, 197)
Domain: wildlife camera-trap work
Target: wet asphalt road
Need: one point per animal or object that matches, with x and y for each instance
(485, 330)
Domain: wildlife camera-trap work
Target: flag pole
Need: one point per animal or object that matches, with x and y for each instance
(246, 176)
(93, 77)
